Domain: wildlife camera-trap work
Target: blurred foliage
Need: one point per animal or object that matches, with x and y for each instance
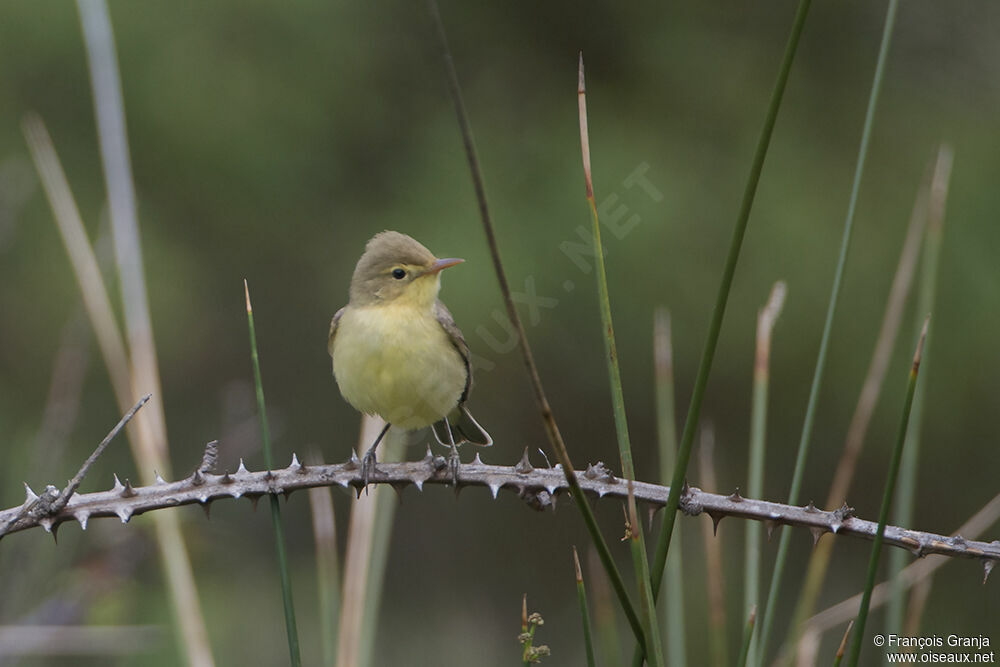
(269, 142)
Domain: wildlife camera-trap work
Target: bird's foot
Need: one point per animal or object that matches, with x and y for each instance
(367, 469)
(453, 464)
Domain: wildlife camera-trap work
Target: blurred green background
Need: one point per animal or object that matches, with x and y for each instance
(270, 142)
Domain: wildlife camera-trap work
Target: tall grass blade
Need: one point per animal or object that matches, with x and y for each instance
(548, 420)
(766, 319)
(747, 637)
(890, 489)
(712, 339)
(906, 495)
(806, 437)
(666, 431)
(870, 390)
(279, 531)
(648, 609)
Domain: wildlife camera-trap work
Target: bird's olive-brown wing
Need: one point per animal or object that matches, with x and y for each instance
(333, 329)
(444, 317)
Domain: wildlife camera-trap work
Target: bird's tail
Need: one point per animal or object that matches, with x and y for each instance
(464, 428)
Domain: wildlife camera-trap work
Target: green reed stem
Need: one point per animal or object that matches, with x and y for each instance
(279, 533)
(807, 425)
(890, 488)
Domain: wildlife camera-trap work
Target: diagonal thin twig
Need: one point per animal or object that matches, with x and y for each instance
(51, 502)
(74, 483)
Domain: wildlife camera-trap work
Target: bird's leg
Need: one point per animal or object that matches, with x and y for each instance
(453, 460)
(368, 462)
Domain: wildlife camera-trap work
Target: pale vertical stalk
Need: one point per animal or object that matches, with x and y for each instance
(906, 494)
(666, 431)
(187, 609)
(385, 514)
(747, 637)
(887, 495)
(327, 566)
(364, 561)
(766, 318)
(604, 612)
(717, 639)
(581, 596)
(805, 439)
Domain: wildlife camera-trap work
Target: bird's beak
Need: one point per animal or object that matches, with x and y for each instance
(440, 264)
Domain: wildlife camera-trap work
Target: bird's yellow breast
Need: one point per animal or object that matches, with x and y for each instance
(398, 362)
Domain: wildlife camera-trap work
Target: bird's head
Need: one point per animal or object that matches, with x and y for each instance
(397, 269)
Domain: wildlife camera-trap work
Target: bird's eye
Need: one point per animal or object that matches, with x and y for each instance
(398, 274)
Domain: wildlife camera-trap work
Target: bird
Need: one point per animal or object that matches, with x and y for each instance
(397, 352)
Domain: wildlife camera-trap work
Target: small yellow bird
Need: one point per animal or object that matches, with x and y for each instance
(396, 350)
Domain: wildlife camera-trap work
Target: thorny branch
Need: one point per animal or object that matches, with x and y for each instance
(539, 487)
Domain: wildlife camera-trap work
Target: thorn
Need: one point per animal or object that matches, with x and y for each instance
(816, 533)
(286, 493)
(124, 514)
(352, 463)
(46, 523)
(197, 479)
(30, 496)
(419, 483)
(591, 472)
(770, 526)
(548, 464)
(118, 487)
(735, 496)
(158, 479)
(551, 488)
(226, 478)
(524, 466)
(268, 476)
(242, 469)
(987, 568)
(811, 508)
(55, 529)
(128, 491)
(685, 489)
(253, 501)
(716, 518)
(208, 509)
(494, 489)
(81, 518)
(297, 465)
(428, 456)
(477, 461)
(398, 488)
